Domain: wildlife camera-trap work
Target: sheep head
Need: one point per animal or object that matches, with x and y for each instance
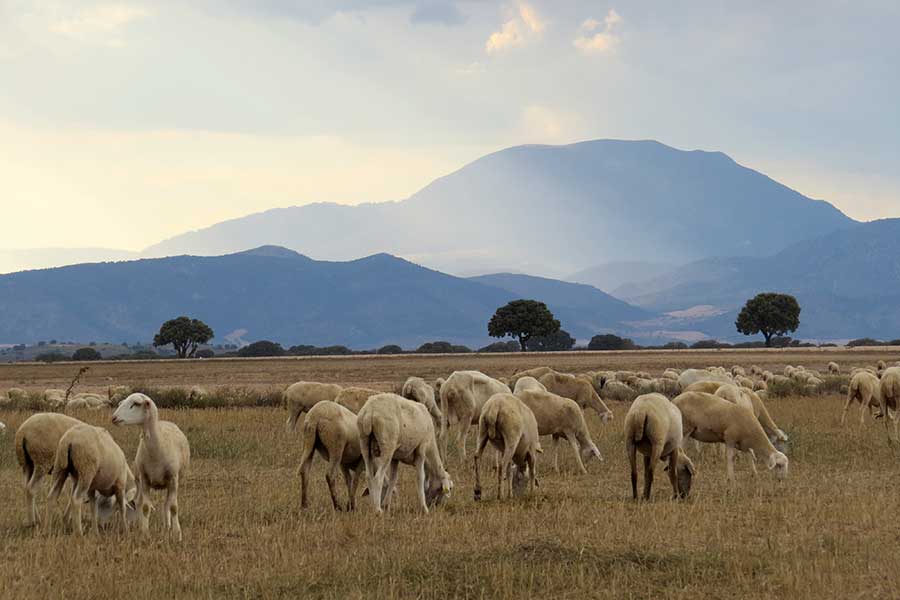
(134, 410)
(779, 463)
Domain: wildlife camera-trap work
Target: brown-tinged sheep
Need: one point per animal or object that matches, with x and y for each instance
(864, 388)
(561, 418)
(418, 390)
(353, 398)
(536, 372)
(510, 426)
(301, 396)
(330, 429)
(462, 397)
(578, 389)
(834, 368)
(615, 390)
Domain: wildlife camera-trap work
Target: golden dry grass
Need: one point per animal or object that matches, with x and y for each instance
(828, 531)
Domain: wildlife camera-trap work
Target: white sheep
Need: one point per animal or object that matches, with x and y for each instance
(392, 430)
(615, 390)
(463, 395)
(692, 376)
(713, 420)
(578, 389)
(353, 398)
(561, 418)
(738, 370)
(864, 388)
(834, 368)
(301, 396)
(528, 383)
(36, 442)
(671, 374)
(163, 455)
(97, 465)
(752, 402)
(330, 429)
(536, 373)
(86, 401)
(54, 398)
(890, 398)
(418, 390)
(510, 426)
(653, 427)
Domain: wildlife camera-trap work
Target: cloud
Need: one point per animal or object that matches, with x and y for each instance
(599, 36)
(544, 124)
(100, 23)
(437, 12)
(523, 26)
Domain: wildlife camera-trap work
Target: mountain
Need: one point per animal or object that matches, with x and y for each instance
(42, 258)
(549, 210)
(847, 283)
(275, 293)
(610, 276)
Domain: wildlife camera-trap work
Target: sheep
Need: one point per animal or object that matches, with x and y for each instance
(756, 371)
(752, 402)
(163, 455)
(710, 419)
(536, 372)
(880, 368)
(623, 375)
(462, 397)
(864, 388)
(353, 398)
(744, 382)
(86, 401)
(617, 391)
(392, 430)
(36, 442)
(737, 370)
(691, 376)
(53, 398)
(303, 395)
(653, 427)
(96, 465)
(834, 368)
(890, 398)
(665, 386)
(510, 426)
(560, 417)
(117, 393)
(528, 384)
(578, 389)
(17, 396)
(330, 429)
(417, 389)
(670, 374)
(768, 376)
(760, 386)
(707, 387)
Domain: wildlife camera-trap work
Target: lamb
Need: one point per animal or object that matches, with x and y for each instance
(618, 391)
(330, 429)
(653, 427)
(890, 398)
(96, 465)
(528, 384)
(691, 376)
(303, 395)
(417, 389)
(864, 388)
(536, 373)
(353, 398)
(560, 417)
(752, 402)
(834, 368)
(36, 442)
(578, 389)
(710, 419)
(510, 426)
(462, 397)
(392, 430)
(163, 455)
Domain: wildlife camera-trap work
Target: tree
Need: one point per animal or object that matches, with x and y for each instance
(555, 342)
(390, 349)
(510, 346)
(184, 334)
(769, 314)
(262, 348)
(610, 341)
(86, 354)
(523, 319)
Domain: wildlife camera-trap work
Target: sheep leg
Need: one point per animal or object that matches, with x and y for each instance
(846, 408)
(464, 435)
(509, 449)
(673, 473)
(632, 461)
(556, 454)
(31, 482)
(532, 470)
(574, 443)
(142, 503)
(120, 500)
(392, 483)
(96, 508)
(420, 481)
(479, 448)
(751, 456)
(172, 508)
(78, 495)
(334, 464)
(648, 475)
(350, 479)
(376, 479)
(304, 483)
(729, 468)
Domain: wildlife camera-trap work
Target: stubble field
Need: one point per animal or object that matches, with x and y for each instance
(829, 530)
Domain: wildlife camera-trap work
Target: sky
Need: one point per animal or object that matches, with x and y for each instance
(124, 123)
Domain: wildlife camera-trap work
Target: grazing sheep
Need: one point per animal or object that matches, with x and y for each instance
(665, 386)
(834, 368)
(529, 384)
(713, 420)
(118, 393)
(301, 396)
(653, 428)
(671, 374)
(768, 376)
(86, 401)
(752, 402)
(536, 372)
(510, 426)
(392, 430)
(36, 442)
(692, 376)
(54, 398)
(330, 429)
(737, 370)
(760, 386)
(880, 368)
(578, 389)
(418, 390)
(864, 388)
(707, 387)
(560, 417)
(890, 398)
(97, 465)
(462, 397)
(614, 390)
(744, 382)
(353, 398)
(756, 371)
(17, 396)
(163, 455)
(623, 375)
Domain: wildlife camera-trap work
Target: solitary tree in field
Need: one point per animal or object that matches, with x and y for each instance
(523, 319)
(555, 342)
(185, 335)
(769, 314)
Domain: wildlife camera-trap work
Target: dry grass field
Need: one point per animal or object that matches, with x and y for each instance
(829, 530)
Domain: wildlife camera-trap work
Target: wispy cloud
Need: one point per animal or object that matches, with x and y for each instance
(599, 36)
(524, 25)
(545, 124)
(102, 23)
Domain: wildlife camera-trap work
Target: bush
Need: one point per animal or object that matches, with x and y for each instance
(261, 348)
(709, 345)
(675, 346)
(51, 357)
(205, 353)
(441, 347)
(390, 349)
(610, 341)
(84, 354)
(510, 346)
(864, 342)
(555, 342)
(305, 350)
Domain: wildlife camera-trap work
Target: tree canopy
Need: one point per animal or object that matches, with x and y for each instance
(610, 341)
(523, 320)
(770, 314)
(555, 342)
(184, 334)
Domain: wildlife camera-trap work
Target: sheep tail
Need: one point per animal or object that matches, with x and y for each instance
(25, 457)
(310, 439)
(492, 420)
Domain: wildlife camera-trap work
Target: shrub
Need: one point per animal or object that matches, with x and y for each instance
(554, 342)
(705, 345)
(610, 341)
(390, 349)
(51, 357)
(864, 342)
(441, 347)
(261, 348)
(83, 354)
(675, 346)
(510, 346)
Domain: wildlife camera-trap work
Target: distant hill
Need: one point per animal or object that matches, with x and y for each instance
(274, 293)
(42, 258)
(549, 210)
(847, 283)
(610, 276)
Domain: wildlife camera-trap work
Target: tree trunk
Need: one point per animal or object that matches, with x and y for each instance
(768, 339)
(522, 342)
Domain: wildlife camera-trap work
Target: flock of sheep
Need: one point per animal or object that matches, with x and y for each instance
(364, 432)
